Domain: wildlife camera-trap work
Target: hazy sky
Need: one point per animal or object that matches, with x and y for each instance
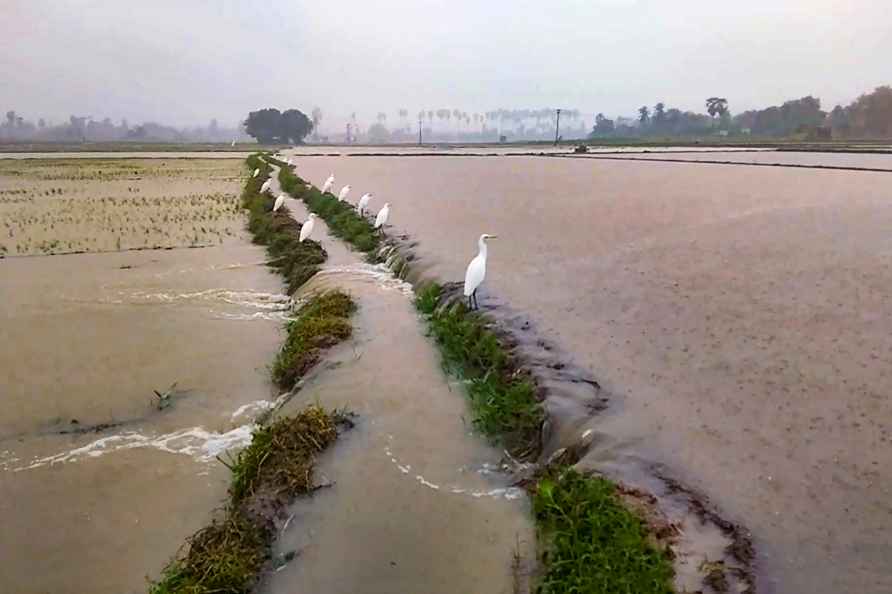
(186, 61)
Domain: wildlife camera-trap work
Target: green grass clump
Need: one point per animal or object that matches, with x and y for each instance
(227, 556)
(321, 323)
(591, 543)
(297, 261)
(503, 404)
(281, 455)
(342, 219)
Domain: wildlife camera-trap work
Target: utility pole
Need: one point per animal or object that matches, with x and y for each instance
(419, 129)
(557, 127)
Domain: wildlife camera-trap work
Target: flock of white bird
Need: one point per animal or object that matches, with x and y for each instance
(474, 274)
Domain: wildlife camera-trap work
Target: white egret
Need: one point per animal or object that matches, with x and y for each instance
(381, 219)
(266, 185)
(307, 227)
(328, 184)
(342, 195)
(256, 172)
(476, 272)
(363, 202)
(279, 202)
(233, 143)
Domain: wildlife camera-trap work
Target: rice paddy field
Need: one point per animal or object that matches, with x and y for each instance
(57, 206)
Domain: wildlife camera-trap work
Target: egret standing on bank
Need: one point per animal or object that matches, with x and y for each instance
(256, 172)
(266, 185)
(279, 202)
(476, 272)
(307, 227)
(381, 219)
(233, 143)
(363, 202)
(342, 195)
(328, 184)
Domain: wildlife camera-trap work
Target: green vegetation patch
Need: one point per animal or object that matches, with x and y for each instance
(342, 219)
(228, 556)
(503, 402)
(591, 543)
(297, 261)
(224, 557)
(281, 455)
(321, 323)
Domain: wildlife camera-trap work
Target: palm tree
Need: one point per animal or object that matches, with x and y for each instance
(716, 106)
(643, 115)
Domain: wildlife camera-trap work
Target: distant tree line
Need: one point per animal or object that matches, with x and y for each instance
(86, 129)
(869, 116)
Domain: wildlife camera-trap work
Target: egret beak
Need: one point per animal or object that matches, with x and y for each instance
(493, 237)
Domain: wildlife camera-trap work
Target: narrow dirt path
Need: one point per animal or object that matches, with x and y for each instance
(417, 503)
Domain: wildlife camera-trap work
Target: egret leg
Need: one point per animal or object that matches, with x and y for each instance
(474, 295)
(469, 302)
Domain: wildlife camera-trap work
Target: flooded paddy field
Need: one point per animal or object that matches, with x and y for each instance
(94, 205)
(739, 316)
(98, 487)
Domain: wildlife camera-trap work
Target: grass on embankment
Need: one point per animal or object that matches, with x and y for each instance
(503, 402)
(321, 323)
(342, 219)
(588, 540)
(297, 261)
(227, 556)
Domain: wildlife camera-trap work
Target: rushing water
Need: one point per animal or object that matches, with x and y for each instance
(740, 315)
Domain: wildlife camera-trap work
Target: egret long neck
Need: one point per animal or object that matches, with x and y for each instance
(482, 245)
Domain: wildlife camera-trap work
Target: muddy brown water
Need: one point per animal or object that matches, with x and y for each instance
(740, 316)
(88, 338)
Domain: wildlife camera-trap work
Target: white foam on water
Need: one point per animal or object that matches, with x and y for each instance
(509, 493)
(259, 305)
(280, 316)
(254, 299)
(380, 274)
(196, 442)
(257, 406)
